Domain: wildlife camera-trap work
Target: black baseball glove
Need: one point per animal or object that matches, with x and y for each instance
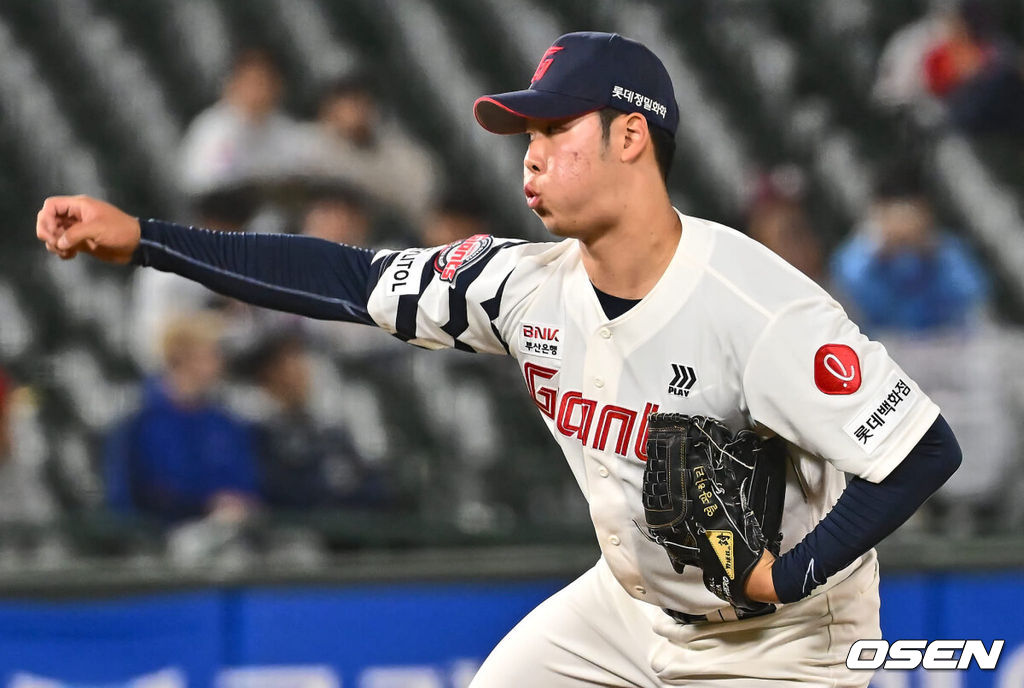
(713, 500)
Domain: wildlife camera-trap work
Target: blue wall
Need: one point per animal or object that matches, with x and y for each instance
(441, 629)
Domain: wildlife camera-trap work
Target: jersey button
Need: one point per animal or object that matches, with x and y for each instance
(599, 382)
(614, 539)
(606, 333)
(603, 472)
(641, 589)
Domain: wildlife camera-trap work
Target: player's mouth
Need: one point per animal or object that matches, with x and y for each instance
(532, 197)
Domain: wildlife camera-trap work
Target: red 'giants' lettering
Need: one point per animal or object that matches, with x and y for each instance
(544, 397)
(576, 414)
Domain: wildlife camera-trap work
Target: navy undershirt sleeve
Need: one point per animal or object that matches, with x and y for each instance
(298, 274)
(866, 513)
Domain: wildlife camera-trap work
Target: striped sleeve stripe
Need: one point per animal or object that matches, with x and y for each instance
(492, 307)
(377, 269)
(408, 305)
(458, 317)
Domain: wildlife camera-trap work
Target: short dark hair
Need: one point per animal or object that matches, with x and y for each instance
(255, 55)
(331, 191)
(355, 83)
(898, 180)
(461, 202)
(664, 142)
(270, 347)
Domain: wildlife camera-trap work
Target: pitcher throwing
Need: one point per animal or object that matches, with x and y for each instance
(634, 309)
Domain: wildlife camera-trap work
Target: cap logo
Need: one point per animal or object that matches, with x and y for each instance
(545, 62)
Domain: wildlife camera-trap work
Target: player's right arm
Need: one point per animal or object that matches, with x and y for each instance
(451, 296)
(304, 275)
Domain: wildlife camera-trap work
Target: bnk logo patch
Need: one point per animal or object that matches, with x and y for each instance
(837, 369)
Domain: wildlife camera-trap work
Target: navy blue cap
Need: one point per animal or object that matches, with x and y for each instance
(583, 72)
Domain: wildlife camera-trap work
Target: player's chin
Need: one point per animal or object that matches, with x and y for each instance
(550, 221)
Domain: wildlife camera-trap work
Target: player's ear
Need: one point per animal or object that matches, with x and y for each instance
(636, 137)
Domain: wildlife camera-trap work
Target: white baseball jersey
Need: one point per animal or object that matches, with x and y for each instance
(729, 331)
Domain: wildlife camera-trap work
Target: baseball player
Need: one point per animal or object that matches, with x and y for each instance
(633, 309)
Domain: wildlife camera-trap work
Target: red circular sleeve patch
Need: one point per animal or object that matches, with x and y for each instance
(837, 369)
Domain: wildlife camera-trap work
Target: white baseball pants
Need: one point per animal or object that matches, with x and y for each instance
(592, 633)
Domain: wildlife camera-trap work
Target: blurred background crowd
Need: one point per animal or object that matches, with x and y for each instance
(877, 146)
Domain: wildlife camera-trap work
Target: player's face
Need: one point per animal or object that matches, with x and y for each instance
(569, 176)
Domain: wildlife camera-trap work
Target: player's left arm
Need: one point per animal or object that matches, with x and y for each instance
(816, 380)
(863, 516)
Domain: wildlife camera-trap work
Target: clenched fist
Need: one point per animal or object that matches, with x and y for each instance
(70, 225)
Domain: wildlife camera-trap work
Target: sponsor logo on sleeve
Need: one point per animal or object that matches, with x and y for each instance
(876, 420)
(403, 277)
(836, 369)
(540, 340)
(459, 255)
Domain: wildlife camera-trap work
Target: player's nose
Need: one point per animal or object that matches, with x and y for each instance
(533, 161)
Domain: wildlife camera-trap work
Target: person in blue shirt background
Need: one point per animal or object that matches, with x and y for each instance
(899, 272)
(182, 455)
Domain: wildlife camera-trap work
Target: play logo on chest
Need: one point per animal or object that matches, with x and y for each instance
(540, 340)
(683, 378)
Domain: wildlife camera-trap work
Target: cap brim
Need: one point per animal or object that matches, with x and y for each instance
(506, 113)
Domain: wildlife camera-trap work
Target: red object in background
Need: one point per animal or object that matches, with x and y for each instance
(4, 387)
(836, 369)
(940, 70)
(951, 63)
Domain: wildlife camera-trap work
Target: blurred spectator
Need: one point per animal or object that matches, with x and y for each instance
(956, 54)
(456, 216)
(304, 462)
(900, 271)
(900, 81)
(342, 215)
(243, 137)
(919, 291)
(778, 220)
(158, 297)
(963, 49)
(352, 140)
(182, 455)
(25, 495)
(977, 73)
